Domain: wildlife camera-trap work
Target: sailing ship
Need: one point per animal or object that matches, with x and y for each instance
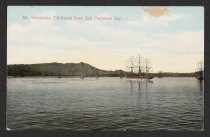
(82, 75)
(143, 67)
(199, 71)
(97, 74)
(160, 74)
(59, 74)
(122, 75)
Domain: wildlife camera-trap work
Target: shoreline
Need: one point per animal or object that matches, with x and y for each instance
(91, 77)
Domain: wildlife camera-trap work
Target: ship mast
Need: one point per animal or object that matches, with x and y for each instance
(200, 68)
(139, 65)
(147, 66)
(130, 64)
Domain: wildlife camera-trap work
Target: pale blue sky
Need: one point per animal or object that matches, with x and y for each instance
(173, 42)
(194, 16)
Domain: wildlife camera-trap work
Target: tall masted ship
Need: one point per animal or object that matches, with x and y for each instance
(139, 67)
(199, 71)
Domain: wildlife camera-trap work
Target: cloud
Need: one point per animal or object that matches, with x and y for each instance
(167, 19)
(156, 11)
(102, 45)
(158, 18)
(148, 21)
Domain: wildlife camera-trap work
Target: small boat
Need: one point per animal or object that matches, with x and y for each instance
(122, 75)
(160, 75)
(97, 74)
(200, 77)
(8, 129)
(82, 76)
(59, 76)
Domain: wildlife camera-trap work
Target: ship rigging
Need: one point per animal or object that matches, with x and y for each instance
(140, 68)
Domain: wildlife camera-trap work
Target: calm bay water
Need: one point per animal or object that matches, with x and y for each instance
(105, 104)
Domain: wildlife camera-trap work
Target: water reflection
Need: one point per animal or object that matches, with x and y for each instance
(200, 84)
(140, 84)
(131, 86)
(150, 81)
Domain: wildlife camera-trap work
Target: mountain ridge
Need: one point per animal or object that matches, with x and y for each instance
(55, 69)
(73, 69)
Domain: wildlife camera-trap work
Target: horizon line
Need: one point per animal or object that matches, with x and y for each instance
(94, 66)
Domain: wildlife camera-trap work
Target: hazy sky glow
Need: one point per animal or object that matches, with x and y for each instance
(173, 40)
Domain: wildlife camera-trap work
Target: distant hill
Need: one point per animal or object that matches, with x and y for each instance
(73, 69)
(59, 69)
(171, 74)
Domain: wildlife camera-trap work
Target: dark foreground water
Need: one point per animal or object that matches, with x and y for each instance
(105, 104)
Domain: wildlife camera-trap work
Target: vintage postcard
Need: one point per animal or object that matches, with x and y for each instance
(106, 68)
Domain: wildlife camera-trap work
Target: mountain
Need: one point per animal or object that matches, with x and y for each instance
(172, 74)
(58, 69)
(73, 69)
